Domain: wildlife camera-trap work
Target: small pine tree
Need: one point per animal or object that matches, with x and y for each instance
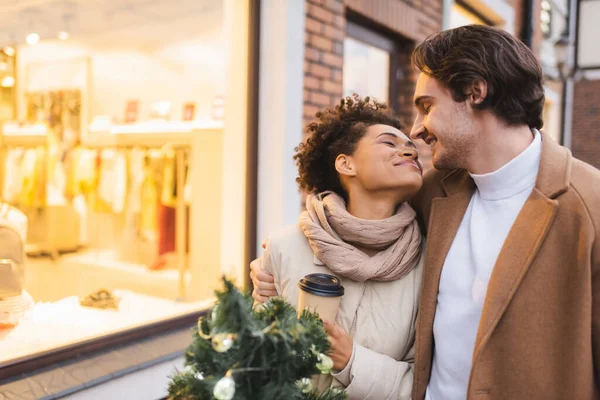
(244, 354)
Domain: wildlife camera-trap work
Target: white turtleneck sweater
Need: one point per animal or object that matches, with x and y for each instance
(495, 204)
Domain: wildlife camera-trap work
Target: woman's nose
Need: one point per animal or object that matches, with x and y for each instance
(410, 152)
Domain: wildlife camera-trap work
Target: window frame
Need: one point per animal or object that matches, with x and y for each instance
(372, 38)
(37, 361)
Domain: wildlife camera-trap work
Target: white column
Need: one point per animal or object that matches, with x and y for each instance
(446, 13)
(281, 89)
(236, 28)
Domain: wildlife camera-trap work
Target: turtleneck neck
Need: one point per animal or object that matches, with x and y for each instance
(517, 175)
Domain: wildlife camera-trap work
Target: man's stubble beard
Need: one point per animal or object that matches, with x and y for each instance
(459, 141)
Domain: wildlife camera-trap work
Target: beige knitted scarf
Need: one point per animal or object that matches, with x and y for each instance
(333, 234)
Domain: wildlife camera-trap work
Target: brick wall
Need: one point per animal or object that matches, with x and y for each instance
(585, 141)
(413, 19)
(325, 31)
(409, 22)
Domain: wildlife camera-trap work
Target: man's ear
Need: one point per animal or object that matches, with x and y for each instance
(344, 165)
(479, 91)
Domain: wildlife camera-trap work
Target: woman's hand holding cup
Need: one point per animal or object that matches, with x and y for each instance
(341, 345)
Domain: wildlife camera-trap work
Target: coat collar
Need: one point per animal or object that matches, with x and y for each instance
(553, 176)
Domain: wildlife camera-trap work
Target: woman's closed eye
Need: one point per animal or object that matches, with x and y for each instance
(391, 144)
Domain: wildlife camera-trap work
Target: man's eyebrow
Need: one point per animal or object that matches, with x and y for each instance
(420, 99)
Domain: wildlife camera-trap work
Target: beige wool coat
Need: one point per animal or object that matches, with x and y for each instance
(539, 334)
(380, 316)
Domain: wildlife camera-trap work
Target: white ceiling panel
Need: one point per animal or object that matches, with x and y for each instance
(143, 22)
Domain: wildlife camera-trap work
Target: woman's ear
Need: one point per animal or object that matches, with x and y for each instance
(344, 165)
(479, 91)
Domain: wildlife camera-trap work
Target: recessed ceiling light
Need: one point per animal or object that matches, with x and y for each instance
(32, 38)
(63, 35)
(9, 51)
(8, 81)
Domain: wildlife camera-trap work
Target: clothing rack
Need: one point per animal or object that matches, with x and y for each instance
(180, 142)
(25, 140)
(36, 136)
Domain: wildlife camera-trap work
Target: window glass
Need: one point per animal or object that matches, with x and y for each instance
(113, 121)
(366, 70)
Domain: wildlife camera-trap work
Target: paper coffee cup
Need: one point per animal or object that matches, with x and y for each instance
(320, 293)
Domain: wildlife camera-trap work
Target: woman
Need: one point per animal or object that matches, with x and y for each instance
(360, 170)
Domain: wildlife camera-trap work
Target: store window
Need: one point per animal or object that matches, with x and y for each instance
(115, 120)
(368, 61)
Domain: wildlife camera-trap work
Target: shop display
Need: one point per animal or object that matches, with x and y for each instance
(48, 325)
(60, 110)
(14, 300)
(102, 299)
(161, 110)
(131, 111)
(7, 84)
(218, 108)
(189, 111)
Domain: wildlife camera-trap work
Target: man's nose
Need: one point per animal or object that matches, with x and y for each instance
(417, 129)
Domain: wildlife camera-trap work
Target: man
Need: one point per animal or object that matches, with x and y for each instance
(510, 300)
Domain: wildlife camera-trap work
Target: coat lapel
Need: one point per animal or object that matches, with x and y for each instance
(446, 216)
(525, 238)
(519, 250)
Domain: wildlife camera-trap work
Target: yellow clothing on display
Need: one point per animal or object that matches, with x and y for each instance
(13, 177)
(86, 172)
(32, 169)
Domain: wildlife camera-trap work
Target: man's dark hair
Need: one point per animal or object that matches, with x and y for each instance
(336, 131)
(458, 57)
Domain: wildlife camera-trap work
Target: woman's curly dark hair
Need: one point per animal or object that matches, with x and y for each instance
(336, 131)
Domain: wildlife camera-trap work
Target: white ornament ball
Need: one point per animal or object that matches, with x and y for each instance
(305, 385)
(325, 364)
(222, 342)
(189, 369)
(224, 389)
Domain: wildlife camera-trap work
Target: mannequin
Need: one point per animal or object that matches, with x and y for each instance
(14, 300)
